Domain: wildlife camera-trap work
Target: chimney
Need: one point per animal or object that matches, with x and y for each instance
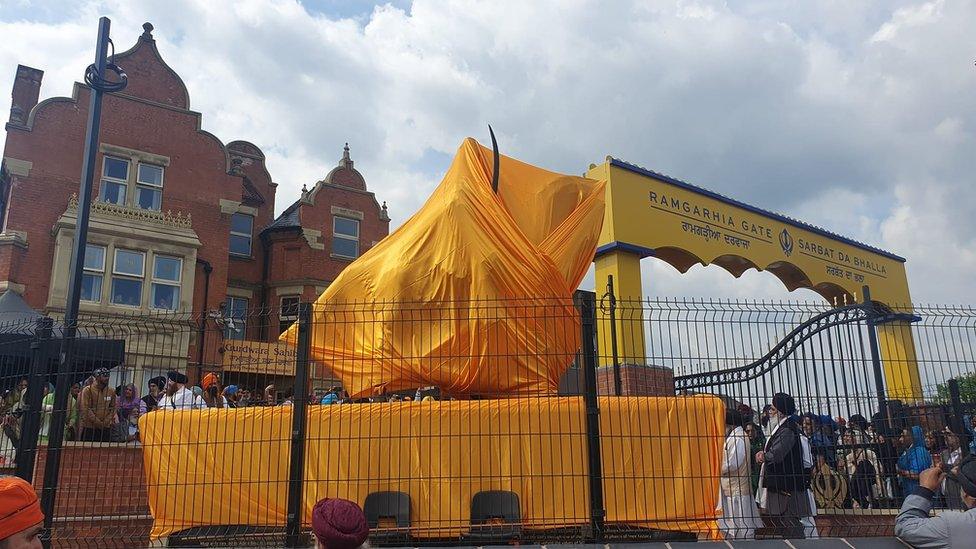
(27, 88)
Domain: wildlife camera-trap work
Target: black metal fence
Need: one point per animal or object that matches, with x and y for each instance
(481, 422)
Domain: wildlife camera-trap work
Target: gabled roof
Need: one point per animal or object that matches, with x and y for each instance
(343, 177)
(149, 75)
(345, 174)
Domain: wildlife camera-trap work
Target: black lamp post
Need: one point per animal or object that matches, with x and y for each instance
(95, 78)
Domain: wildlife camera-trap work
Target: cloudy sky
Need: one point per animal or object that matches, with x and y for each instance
(855, 115)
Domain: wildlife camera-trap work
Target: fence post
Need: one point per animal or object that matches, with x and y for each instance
(52, 464)
(613, 336)
(958, 425)
(55, 433)
(38, 377)
(876, 360)
(587, 306)
(296, 475)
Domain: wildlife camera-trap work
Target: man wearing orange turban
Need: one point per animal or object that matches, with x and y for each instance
(21, 518)
(209, 381)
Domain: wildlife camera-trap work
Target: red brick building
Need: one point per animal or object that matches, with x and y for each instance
(177, 214)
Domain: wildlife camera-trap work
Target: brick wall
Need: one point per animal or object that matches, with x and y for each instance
(636, 380)
(101, 495)
(860, 523)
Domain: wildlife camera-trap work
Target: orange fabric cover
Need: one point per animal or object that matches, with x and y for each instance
(472, 294)
(661, 458)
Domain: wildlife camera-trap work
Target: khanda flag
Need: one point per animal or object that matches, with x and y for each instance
(472, 294)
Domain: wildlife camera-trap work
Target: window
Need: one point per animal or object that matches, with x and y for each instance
(235, 315)
(345, 233)
(116, 180)
(167, 272)
(149, 187)
(288, 313)
(240, 234)
(91, 277)
(127, 273)
(115, 177)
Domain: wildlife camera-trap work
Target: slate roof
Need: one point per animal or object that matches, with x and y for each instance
(287, 220)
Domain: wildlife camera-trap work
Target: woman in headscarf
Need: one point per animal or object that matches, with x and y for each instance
(863, 470)
(913, 460)
(130, 408)
(740, 516)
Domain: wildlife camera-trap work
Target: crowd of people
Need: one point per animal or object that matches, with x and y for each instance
(771, 469)
(100, 413)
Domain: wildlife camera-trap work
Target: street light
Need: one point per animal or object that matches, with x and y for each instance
(95, 78)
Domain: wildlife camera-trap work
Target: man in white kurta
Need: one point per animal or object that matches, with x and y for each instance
(740, 516)
(178, 397)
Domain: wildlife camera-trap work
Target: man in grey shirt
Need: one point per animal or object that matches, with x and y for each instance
(949, 528)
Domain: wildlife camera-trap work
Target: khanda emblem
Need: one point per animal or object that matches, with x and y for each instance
(786, 242)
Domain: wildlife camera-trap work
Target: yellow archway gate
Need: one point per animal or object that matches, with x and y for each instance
(649, 214)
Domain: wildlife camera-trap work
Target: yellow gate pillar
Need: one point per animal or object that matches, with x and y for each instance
(902, 380)
(896, 343)
(623, 264)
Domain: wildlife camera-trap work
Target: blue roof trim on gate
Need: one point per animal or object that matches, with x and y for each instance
(733, 202)
(617, 246)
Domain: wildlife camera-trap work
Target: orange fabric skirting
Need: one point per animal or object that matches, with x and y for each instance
(661, 457)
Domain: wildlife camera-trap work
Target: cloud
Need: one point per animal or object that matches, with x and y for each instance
(858, 117)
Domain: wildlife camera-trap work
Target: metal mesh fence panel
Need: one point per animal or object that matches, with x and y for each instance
(485, 422)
